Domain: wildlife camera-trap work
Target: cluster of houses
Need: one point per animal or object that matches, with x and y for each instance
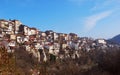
(44, 45)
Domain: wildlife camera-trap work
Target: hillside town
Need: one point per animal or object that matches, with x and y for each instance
(50, 46)
(46, 45)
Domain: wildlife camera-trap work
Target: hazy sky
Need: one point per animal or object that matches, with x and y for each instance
(92, 18)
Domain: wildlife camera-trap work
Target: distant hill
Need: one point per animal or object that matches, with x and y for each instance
(115, 40)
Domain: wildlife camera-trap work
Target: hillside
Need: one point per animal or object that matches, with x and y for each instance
(115, 40)
(25, 51)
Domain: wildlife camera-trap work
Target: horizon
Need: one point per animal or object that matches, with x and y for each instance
(86, 18)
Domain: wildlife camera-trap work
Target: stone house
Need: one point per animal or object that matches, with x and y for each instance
(20, 39)
(100, 41)
(17, 25)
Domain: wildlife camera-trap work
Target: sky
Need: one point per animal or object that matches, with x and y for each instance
(86, 18)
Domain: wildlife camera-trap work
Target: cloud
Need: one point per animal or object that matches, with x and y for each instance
(106, 4)
(91, 21)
